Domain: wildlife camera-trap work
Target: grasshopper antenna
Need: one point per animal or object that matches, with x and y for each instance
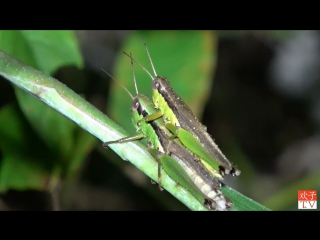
(139, 65)
(134, 76)
(154, 70)
(118, 83)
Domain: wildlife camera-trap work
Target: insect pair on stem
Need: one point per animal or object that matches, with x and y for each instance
(179, 142)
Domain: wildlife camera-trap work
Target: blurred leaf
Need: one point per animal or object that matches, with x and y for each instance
(55, 130)
(231, 33)
(273, 34)
(278, 34)
(26, 162)
(44, 50)
(83, 144)
(69, 142)
(188, 65)
(47, 51)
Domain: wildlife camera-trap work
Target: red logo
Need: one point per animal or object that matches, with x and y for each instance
(307, 199)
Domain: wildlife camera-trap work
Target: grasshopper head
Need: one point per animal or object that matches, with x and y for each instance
(161, 84)
(135, 104)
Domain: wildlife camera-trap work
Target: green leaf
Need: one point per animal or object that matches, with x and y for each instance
(49, 50)
(241, 202)
(44, 50)
(26, 163)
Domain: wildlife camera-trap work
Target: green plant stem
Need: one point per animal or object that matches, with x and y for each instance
(68, 103)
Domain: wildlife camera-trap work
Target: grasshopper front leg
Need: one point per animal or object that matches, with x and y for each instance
(124, 140)
(151, 117)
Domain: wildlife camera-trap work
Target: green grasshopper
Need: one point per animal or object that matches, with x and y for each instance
(183, 124)
(182, 166)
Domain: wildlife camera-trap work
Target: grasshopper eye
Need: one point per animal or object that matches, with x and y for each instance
(155, 85)
(135, 104)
